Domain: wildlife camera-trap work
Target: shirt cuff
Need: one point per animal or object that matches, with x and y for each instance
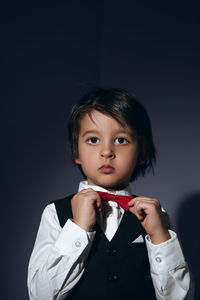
(165, 256)
(73, 239)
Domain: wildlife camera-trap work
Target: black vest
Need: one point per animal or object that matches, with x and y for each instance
(114, 270)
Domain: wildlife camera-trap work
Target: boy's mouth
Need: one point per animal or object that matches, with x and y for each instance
(106, 169)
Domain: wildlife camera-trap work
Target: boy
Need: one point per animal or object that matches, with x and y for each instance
(89, 247)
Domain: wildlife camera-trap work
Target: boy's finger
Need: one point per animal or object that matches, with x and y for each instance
(84, 191)
(134, 200)
(140, 215)
(143, 207)
(141, 198)
(98, 203)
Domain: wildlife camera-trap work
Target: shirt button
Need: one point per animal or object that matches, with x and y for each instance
(158, 259)
(112, 251)
(113, 277)
(78, 244)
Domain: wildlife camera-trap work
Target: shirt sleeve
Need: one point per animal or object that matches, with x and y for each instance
(169, 271)
(58, 258)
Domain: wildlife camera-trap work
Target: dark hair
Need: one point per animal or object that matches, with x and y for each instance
(123, 107)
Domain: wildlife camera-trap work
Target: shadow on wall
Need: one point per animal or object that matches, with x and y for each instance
(188, 227)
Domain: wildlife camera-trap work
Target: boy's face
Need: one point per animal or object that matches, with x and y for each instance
(108, 151)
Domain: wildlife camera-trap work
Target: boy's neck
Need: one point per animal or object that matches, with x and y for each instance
(118, 190)
(113, 188)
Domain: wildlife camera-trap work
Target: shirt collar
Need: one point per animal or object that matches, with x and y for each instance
(124, 192)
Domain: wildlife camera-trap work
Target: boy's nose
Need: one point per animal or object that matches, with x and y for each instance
(107, 153)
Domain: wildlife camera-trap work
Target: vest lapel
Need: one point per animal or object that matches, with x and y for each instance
(129, 229)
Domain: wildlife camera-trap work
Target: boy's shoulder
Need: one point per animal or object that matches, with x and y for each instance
(63, 209)
(62, 201)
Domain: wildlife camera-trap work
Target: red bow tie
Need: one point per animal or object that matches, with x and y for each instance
(121, 200)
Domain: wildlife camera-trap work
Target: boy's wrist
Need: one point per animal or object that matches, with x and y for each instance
(83, 226)
(160, 237)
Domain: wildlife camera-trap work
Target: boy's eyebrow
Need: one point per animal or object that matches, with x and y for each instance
(127, 132)
(89, 132)
(123, 131)
(117, 132)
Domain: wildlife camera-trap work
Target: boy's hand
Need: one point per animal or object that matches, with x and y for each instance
(85, 205)
(149, 213)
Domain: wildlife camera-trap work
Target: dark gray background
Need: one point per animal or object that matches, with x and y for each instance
(51, 53)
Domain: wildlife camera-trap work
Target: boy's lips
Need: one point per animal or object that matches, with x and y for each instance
(106, 169)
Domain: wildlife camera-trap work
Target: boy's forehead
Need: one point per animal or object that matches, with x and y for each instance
(97, 119)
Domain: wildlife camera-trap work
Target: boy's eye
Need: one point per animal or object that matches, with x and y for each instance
(93, 140)
(121, 140)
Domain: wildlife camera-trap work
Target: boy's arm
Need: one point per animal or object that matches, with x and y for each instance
(58, 258)
(169, 270)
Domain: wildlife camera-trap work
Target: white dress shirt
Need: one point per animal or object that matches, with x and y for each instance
(59, 256)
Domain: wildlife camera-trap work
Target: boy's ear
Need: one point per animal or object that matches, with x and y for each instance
(140, 162)
(142, 158)
(77, 161)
